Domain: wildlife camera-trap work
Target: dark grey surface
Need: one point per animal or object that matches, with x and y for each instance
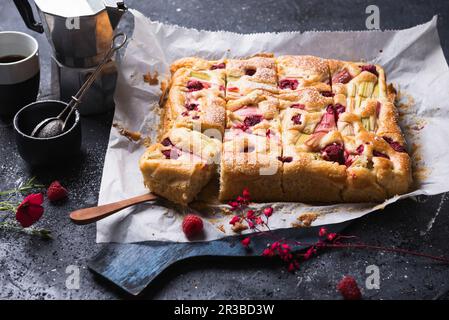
(33, 268)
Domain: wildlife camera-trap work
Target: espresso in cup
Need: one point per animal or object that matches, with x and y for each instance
(19, 71)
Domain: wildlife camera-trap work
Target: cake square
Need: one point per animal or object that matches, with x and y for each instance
(256, 113)
(196, 96)
(200, 110)
(252, 148)
(357, 82)
(309, 126)
(194, 74)
(252, 162)
(308, 178)
(180, 165)
(376, 169)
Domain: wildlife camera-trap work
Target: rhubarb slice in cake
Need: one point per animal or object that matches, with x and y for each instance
(180, 165)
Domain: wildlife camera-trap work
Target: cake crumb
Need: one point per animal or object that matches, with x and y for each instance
(164, 89)
(152, 80)
(307, 218)
(221, 228)
(146, 142)
(226, 211)
(239, 227)
(130, 135)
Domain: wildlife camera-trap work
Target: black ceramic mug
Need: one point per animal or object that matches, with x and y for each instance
(19, 71)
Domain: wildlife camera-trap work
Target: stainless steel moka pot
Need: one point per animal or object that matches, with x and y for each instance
(80, 33)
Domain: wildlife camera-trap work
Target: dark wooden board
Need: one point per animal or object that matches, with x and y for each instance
(133, 266)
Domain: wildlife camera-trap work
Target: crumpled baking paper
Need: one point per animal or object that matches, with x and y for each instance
(414, 63)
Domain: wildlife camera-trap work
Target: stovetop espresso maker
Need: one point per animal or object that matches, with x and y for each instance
(80, 33)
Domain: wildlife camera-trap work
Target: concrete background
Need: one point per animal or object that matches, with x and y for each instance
(31, 268)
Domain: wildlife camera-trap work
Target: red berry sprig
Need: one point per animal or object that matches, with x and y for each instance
(282, 248)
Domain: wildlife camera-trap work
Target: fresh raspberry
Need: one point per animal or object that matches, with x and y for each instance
(56, 191)
(349, 289)
(192, 225)
(245, 242)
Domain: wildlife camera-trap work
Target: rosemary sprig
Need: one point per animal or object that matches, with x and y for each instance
(43, 233)
(8, 206)
(23, 187)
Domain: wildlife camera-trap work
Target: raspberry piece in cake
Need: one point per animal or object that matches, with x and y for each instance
(291, 84)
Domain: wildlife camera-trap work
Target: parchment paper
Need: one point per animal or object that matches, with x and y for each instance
(413, 60)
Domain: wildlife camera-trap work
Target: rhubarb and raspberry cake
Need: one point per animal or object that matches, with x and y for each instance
(291, 128)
